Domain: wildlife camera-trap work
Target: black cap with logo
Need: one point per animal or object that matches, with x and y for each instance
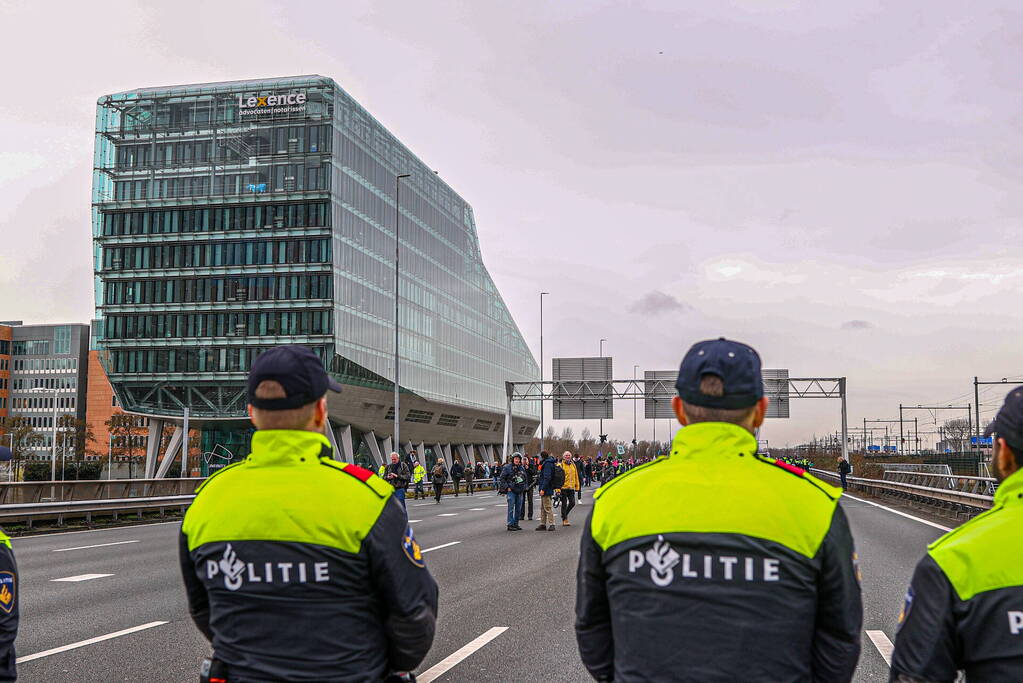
(738, 366)
(297, 369)
(1008, 424)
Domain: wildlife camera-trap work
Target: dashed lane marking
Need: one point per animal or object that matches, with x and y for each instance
(476, 509)
(438, 547)
(452, 660)
(898, 512)
(413, 521)
(883, 645)
(80, 577)
(98, 545)
(448, 514)
(90, 641)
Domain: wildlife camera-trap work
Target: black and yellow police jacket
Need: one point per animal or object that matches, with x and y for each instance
(964, 606)
(717, 564)
(301, 568)
(9, 589)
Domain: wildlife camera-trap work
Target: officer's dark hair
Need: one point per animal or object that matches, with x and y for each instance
(713, 385)
(292, 418)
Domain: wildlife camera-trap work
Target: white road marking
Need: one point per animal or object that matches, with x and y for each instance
(883, 645)
(80, 577)
(438, 547)
(449, 662)
(448, 514)
(500, 505)
(98, 545)
(90, 641)
(15, 539)
(898, 512)
(476, 509)
(413, 521)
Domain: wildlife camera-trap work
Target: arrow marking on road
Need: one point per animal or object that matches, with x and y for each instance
(80, 577)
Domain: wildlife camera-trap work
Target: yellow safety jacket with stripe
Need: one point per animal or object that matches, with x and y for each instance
(298, 567)
(716, 563)
(964, 606)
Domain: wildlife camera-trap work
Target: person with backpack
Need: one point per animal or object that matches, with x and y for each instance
(513, 483)
(548, 481)
(470, 475)
(526, 505)
(438, 477)
(457, 470)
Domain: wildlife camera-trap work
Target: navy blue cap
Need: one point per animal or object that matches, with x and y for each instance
(1008, 424)
(738, 366)
(297, 369)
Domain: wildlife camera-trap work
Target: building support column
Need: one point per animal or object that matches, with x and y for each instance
(446, 449)
(386, 449)
(489, 450)
(463, 453)
(153, 446)
(347, 452)
(171, 453)
(332, 437)
(374, 448)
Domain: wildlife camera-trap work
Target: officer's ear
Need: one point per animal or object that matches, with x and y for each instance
(680, 410)
(1005, 459)
(759, 411)
(320, 413)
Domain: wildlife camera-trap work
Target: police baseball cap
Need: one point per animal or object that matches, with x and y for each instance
(738, 366)
(1008, 423)
(297, 369)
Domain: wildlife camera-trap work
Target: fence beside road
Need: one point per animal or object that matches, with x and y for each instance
(953, 493)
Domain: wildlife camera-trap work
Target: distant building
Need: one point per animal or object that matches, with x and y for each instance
(47, 376)
(232, 217)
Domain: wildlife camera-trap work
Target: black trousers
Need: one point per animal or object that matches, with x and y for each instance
(455, 482)
(567, 502)
(437, 488)
(469, 486)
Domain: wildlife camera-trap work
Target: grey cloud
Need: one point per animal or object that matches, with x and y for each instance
(656, 303)
(857, 325)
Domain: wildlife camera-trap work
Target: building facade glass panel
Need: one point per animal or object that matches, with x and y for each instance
(232, 217)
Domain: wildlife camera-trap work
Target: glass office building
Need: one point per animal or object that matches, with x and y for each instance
(232, 217)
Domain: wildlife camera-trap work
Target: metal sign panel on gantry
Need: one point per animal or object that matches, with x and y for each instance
(776, 389)
(658, 390)
(584, 384)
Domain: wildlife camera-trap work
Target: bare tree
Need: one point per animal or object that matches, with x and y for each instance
(26, 438)
(957, 434)
(125, 431)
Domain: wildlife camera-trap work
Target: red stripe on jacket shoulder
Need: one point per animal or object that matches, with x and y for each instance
(360, 473)
(798, 471)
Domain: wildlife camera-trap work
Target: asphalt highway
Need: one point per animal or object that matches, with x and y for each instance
(108, 605)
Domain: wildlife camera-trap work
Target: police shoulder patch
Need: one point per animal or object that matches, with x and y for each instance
(378, 485)
(411, 548)
(8, 591)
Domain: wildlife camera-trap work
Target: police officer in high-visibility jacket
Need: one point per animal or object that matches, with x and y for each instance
(715, 563)
(9, 585)
(298, 567)
(964, 606)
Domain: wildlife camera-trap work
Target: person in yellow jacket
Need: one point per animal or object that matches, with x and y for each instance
(570, 488)
(418, 476)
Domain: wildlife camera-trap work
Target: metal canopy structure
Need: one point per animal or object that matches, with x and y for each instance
(656, 389)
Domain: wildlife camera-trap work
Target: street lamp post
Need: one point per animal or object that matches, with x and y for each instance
(397, 296)
(635, 445)
(601, 435)
(542, 295)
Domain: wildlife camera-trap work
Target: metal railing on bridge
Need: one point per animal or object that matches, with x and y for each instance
(23, 492)
(955, 493)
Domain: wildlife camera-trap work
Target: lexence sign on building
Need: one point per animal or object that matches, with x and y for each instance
(232, 217)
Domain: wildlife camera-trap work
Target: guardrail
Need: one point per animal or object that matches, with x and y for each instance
(27, 502)
(956, 493)
(97, 489)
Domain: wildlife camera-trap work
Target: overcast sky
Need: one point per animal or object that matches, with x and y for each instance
(837, 184)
